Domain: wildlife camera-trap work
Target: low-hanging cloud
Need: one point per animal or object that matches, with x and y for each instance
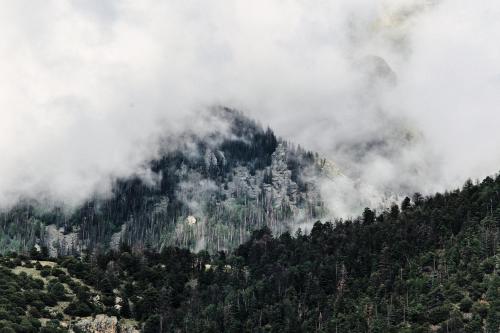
(402, 95)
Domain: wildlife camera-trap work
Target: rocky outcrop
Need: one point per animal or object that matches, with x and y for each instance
(99, 324)
(284, 189)
(102, 324)
(59, 242)
(116, 238)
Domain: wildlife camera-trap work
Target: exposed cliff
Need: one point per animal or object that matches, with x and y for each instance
(102, 324)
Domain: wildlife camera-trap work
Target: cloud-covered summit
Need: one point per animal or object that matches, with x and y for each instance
(403, 95)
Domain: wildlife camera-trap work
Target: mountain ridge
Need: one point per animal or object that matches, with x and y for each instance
(226, 184)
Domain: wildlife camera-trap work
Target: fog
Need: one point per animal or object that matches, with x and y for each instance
(402, 95)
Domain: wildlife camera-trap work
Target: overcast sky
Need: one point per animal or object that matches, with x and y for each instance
(403, 95)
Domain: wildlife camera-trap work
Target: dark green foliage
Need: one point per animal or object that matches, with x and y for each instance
(152, 324)
(432, 262)
(466, 304)
(23, 299)
(7, 329)
(56, 289)
(429, 264)
(78, 308)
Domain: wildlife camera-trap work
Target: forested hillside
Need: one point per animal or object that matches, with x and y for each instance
(207, 193)
(430, 264)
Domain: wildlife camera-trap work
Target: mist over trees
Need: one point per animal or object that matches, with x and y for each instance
(226, 185)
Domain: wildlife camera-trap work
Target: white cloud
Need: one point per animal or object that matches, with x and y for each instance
(86, 88)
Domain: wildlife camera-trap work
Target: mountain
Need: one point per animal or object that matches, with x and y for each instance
(430, 264)
(208, 192)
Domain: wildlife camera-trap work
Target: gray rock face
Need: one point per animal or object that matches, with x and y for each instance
(281, 190)
(59, 243)
(116, 238)
(102, 324)
(246, 198)
(284, 190)
(99, 324)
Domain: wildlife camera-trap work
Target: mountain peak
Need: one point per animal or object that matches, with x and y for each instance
(208, 194)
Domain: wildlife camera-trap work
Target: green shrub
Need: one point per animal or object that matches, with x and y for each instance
(466, 304)
(439, 314)
(79, 309)
(57, 290)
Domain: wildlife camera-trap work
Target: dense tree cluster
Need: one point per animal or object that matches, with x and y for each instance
(24, 299)
(430, 264)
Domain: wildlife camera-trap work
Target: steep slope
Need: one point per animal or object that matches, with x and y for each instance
(206, 193)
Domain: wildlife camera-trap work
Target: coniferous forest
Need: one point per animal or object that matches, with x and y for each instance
(250, 166)
(429, 264)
